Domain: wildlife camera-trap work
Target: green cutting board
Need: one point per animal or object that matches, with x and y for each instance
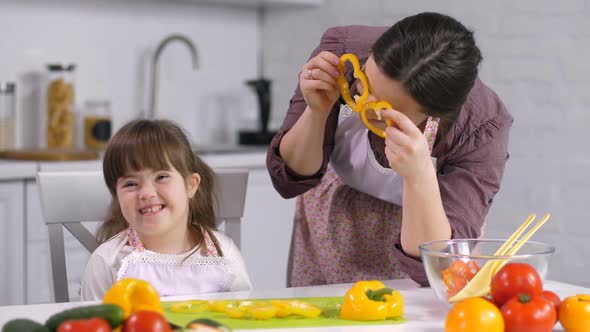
(330, 317)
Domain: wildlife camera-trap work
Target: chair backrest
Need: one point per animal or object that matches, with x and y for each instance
(70, 198)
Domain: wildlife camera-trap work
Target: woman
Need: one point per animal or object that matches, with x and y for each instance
(365, 204)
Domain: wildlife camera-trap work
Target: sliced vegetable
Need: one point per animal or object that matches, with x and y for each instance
(296, 308)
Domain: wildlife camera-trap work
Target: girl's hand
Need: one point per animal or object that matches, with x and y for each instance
(318, 82)
(406, 147)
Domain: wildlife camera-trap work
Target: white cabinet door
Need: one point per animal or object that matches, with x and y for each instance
(266, 232)
(12, 225)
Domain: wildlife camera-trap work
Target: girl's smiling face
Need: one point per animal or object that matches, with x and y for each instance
(381, 87)
(156, 202)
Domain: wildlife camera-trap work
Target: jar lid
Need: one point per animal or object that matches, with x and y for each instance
(60, 67)
(7, 87)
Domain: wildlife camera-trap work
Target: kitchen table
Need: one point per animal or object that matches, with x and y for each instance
(423, 311)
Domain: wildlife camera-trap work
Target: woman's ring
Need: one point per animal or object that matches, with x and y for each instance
(309, 74)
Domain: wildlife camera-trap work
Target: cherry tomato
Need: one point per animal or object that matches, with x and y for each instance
(525, 313)
(458, 275)
(87, 325)
(551, 296)
(474, 314)
(574, 313)
(514, 279)
(146, 321)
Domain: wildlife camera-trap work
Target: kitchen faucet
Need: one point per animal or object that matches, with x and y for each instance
(156, 59)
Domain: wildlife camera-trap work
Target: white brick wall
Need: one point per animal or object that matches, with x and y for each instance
(536, 57)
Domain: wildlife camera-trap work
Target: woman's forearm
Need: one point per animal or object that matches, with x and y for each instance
(302, 146)
(423, 216)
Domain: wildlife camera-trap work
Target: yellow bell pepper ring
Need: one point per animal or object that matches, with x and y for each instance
(190, 307)
(258, 310)
(133, 295)
(371, 300)
(355, 105)
(376, 106)
(297, 308)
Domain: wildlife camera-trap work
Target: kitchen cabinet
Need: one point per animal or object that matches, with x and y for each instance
(266, 232)
(12, 230)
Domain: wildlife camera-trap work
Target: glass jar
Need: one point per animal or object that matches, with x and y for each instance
(97, 124)
(60, 122)
(7, 115)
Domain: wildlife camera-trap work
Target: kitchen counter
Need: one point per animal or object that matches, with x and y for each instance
(16, 170)
(250, 157)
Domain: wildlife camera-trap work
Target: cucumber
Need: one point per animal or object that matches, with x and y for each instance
(112, 313)
(210, 324)
(23, 325)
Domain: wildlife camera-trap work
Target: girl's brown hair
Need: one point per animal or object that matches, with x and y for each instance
(157, 145)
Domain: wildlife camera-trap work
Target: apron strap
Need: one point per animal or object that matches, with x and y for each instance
(430, 131)
(134, 240)
(136, 244)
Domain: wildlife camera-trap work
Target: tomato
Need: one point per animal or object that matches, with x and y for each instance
(551, 296)
(146, 321)
(574, 313)
(524, 313)
(86, 325)
(474, 314)
(514, 279)
(458, 275)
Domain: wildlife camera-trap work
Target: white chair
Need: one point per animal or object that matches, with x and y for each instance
(69, 198)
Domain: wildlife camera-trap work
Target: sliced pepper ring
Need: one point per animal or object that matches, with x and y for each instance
(376, 106)
(190, 307)
(355, 105)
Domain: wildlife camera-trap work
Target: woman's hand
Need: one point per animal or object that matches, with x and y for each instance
(406, 147)
(318, 82)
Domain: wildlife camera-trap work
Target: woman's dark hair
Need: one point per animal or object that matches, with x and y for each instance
(157, 145)
(434, 57)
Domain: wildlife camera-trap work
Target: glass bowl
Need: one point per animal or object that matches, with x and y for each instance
(450, 264)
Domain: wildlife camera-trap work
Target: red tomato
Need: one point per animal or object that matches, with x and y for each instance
(549, 295)
(146, 321)
(514, 279)
(87, 325)
(525, 313)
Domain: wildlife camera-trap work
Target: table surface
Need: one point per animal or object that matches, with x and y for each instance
(422, 310)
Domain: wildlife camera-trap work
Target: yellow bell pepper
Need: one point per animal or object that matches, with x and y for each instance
(133, 295)
(361, 104)
(343, 84)
(376, 106)
(371, 300)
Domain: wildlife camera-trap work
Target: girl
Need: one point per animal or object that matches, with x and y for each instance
(161, 226)
(366, 204)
